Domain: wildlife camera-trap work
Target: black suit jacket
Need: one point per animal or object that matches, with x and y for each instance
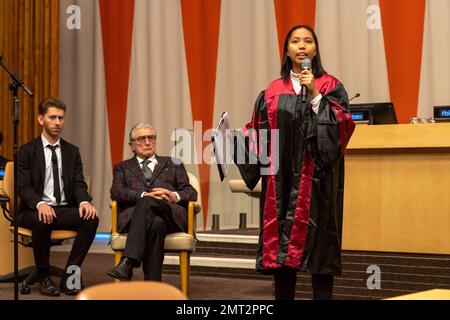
(129, 183)
(31, 174)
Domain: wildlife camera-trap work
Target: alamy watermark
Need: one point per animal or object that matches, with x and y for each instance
(73, 280)
(373, 21)
(252, 147)
(73, 21)
(374, 280)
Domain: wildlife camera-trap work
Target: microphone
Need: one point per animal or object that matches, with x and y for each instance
(355, 96)
(306, 65)
(17, 81)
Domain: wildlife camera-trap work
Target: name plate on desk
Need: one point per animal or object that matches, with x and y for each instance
(373, 113)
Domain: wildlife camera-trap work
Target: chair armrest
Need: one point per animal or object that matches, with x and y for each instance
(4, 199)
(113, 205)
(238, 186)
(191, 207)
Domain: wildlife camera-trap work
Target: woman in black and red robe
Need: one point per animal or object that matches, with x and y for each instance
(298, 148)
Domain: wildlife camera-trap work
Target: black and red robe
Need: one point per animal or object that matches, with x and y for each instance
(303, 178)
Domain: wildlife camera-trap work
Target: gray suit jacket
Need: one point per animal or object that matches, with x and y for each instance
(129, 183)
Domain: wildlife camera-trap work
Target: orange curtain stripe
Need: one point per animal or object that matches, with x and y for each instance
(403, 37)
(117, 30)
(292, 12)
(201, 21)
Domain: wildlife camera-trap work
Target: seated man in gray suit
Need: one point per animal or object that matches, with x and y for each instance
(152, 194)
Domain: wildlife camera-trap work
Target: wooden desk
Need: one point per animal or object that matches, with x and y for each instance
(434, 294)
(397, 189)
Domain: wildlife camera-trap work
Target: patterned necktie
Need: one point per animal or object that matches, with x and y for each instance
(56, 186)
(146, 170)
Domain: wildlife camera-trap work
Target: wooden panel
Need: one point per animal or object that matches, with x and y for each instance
(434, 294)
(398, 201)
(29, 41)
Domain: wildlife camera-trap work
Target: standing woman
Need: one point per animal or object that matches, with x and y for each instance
(303, 179)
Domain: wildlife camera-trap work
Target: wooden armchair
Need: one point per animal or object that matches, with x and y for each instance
(57, 236)
(181, 242)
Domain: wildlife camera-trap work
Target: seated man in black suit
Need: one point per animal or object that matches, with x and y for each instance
(54, 195)
(3, 161)
(153, 193)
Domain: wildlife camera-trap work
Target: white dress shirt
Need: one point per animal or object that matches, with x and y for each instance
(151, 165)
(48, 196)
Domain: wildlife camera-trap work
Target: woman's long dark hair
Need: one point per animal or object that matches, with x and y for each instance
(317, 68)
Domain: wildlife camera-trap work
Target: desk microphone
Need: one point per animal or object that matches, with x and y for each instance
(355, 96)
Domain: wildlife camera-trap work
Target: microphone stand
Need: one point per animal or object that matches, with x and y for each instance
(14, 86)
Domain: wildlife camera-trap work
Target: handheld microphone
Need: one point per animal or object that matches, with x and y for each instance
(306, 65)
(355, 96)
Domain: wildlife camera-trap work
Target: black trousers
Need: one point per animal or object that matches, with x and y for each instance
(285, 280)
(67, 218)
(150, 223)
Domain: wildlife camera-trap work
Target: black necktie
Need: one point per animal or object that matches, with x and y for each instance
(147, 172)
(56, 186)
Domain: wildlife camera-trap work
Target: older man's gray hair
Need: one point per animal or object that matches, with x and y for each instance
(138, 126)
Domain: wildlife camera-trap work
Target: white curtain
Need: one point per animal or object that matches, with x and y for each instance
(352, 48)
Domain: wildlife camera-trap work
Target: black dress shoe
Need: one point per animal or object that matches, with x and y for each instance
(48, 288)
(73, 290)
(124, 271)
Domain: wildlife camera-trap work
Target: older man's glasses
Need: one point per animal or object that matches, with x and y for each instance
(142, 139)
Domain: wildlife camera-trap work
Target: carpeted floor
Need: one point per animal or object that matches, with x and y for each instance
(201, 288)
